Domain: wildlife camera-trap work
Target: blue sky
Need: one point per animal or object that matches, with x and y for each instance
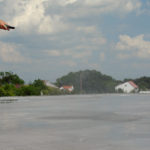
(55, 37)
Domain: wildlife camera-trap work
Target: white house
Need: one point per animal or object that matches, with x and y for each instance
(127, 87)
(67, 88)
(47, 83)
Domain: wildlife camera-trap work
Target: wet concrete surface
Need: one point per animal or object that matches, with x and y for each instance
(83, 122)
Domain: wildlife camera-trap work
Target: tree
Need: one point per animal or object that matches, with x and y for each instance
(28, 90)
(39, 83)
(8, 90)
(2, 91)
(10, 78)
(143, 83)
(88, 81)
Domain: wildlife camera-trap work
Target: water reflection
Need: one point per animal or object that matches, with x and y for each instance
(6, 101)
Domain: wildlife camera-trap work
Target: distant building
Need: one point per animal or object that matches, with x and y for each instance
(67, 88)
(127, 87)
(49, 84)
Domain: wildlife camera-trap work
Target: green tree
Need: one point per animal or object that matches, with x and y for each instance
(39, 83)
(2, 91)
(10, 78)
(88, 81)
(9, 90)
(28, 90)
(143, 83)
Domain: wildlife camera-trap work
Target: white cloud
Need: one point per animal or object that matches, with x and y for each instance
(88, 29)
(94, 66)
(81, 54)
(9, 53)
(30, 16)
(79, 44)
(51, 16)
(76, 54)
(102, 5)
(69, 63)
(123, 56)
(99, 40)
(67, 2)
(91, 37)
(107, 6)
(102, 56)
(129, 4)
(53, 52)
(135, 46)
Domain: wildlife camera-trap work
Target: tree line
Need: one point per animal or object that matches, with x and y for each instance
(12, 85)
(84, 82)
(89, 81)
(92, 81)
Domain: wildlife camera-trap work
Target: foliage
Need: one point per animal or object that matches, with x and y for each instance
(8, 90)
(39, 83)
(2, 91)
(28, 90)
(10, 78)
(88, 81)
(143, 83)
(120, 91)
(51, 91)
(8, 82)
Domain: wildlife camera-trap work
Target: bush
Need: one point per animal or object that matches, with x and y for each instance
(2, 91)
(28, 90)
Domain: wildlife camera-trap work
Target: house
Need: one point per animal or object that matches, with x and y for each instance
(127, 87)
(47, 83)
(67, 88)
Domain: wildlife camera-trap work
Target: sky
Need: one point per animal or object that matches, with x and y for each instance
(55, 37)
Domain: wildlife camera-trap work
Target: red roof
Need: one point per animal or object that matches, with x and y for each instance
(67, 87)
(133, 84)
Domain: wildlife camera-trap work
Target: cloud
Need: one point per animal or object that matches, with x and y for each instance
(81, 54)
(100, 7)
(87, 29)
(78, 44)
(123, 56)
(52, 16)
(94, 66)
(76, 54)
(30, 16)
(102, 56)
(133, 46)
(10, 54)
(110, 5)
(69, 63)
(53, 52)
(67, 2)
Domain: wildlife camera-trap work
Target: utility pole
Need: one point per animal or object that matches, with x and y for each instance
(80, 82)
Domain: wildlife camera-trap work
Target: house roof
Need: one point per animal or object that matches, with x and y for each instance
(133, 84)
(67, 87)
